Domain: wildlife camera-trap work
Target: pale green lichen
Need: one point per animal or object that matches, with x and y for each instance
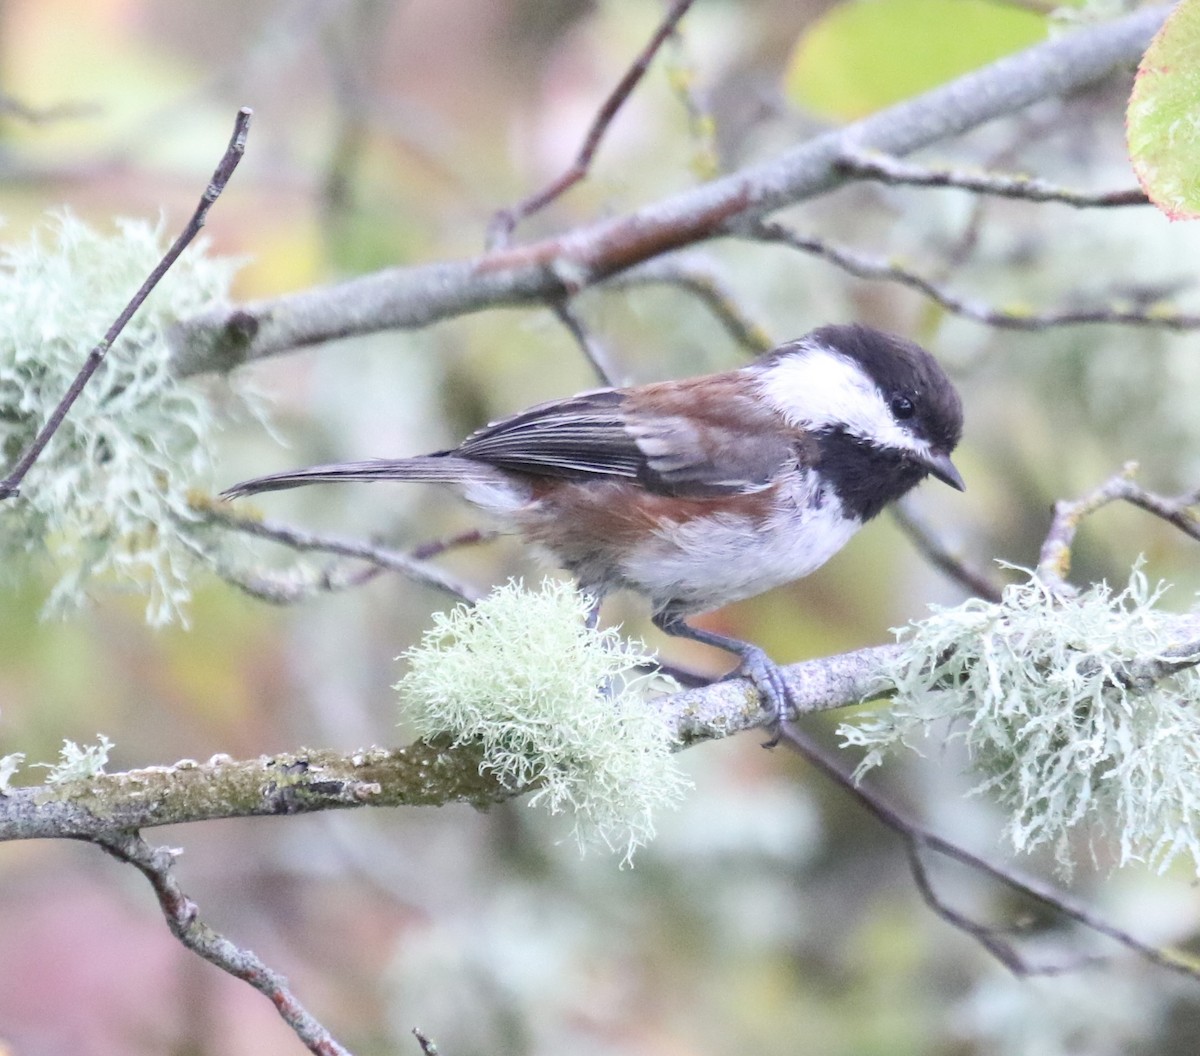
(107, 500)
(9, 765)
(556, 707)
(78, 762)
(1038, 690)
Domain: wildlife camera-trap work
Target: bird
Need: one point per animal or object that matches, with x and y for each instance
(702, 491)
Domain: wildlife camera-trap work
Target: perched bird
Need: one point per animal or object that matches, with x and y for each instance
(699, 492)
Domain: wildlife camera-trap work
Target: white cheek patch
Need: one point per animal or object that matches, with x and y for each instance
(815, 388)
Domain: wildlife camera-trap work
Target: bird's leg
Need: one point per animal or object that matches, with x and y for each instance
(592, 620)
(760, 669)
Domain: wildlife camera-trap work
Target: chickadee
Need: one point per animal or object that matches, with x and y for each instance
(699, 492)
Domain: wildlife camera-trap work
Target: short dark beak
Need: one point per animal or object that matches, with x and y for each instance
(940, 466)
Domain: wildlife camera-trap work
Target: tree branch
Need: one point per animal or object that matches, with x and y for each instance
(421, 774)
(593, 351)
(934, 549)
(44, 115)
(869, 165)
(301, 783)
(501, 228)
(879, 269)
(10, 486)
(1054, 562)
(407, 298)
(918, 839)
(427, 1046)
(412, 565)
(182, 916)
(699, 275)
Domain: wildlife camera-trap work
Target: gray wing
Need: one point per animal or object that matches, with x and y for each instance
(612, 433)
(580, 436)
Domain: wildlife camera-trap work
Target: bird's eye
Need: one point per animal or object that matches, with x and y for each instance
(902, 407)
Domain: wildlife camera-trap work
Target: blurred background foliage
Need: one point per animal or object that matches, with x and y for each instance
(771, 915)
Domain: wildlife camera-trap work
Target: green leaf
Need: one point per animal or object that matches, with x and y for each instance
(867, 54)
(1163, 119)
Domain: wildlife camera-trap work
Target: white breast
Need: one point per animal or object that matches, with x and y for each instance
(707, 562)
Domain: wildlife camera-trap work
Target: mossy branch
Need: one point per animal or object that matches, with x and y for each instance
(301, 782)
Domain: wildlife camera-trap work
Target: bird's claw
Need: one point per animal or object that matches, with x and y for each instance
(774, 695)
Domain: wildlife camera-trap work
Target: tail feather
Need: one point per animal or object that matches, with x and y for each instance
(436, 469)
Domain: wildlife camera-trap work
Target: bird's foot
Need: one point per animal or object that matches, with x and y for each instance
(767, 677)
(774, 695)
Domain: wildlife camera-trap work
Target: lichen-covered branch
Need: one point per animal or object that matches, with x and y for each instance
(998, 942)
(302, 782)
(421, 774)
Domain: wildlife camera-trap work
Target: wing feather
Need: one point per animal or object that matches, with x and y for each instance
(657, 435)
(580, 436)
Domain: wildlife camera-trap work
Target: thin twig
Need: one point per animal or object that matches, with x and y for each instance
(436, 547)
(286, 589)
(885, 168)
(182, 916)
(990, 938)
(938, 553)
(407, 565)
(44, 115)
(1054, 562)
(705, 162)
(297, 586)
(594, 352)
(699, 274)
(505, 220)
(427, 1046)
(918, 838)
(863, 266)
(10, 487)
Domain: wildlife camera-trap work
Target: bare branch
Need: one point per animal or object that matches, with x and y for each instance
(595, 353)
(863, 266)
(434, 547)
(699, 275)
(993, 939)
(917, 838)
(10, 486)
(938, 554)
(705, 162)
(1054, 562)
(406, 298)
(44, 115)
(501, 228)
(873, 166)
(413, 566)
(296, 588)
(182, 916)
(427, 1046)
